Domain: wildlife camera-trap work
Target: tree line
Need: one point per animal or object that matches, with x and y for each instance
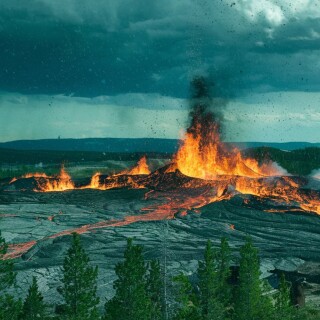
(140, 290)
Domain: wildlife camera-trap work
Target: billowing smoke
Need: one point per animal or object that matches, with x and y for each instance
(315, 174)
(206, 111)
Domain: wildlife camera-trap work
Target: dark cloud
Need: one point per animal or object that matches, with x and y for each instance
(99, 47)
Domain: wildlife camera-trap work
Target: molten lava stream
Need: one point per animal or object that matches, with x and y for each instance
(177, 202)
(16, 250)
(280, 189)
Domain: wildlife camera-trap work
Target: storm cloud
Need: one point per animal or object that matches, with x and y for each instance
(152, 49)
(91, 48)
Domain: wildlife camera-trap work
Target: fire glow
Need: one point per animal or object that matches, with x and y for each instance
(199, 163)
(206, 157)
(204, 170)
(203, 162)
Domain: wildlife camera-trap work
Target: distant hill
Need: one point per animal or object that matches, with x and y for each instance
(289, 146)
(124, 145)
(96, 145)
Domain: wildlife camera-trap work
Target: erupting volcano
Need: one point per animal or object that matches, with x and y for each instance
(203, 170)
(203, 163)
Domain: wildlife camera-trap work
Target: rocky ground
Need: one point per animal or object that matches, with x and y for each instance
(38, 225)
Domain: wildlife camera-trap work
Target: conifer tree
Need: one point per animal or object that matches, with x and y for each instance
(188, 305)
(9, 307)
(213, 273)
(223, 258)
(284, 309)
(7, 275)
(79, 284)
(251, 303)
(33, 307)
(131, 300)
(155, 287)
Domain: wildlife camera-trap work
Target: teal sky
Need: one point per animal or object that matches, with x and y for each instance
(122, 68)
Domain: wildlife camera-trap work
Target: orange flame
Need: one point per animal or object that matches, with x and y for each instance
(206, 157)
(140, 168)
(95, 181)
(115, 181)
(61, 182)
(203, 155)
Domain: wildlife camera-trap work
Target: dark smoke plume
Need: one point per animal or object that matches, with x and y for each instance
(206, 116)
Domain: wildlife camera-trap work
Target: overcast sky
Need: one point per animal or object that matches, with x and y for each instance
(96, 68)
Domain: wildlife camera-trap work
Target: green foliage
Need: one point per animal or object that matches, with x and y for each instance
(139, 290)
(131, 299)
(10, 309)
(213, 273)
(188, 304)
(251, 303)
(155, 287)
(79, 284)
(7, 275)
(33, 307)
(306, 313)
(223, 260)
(283, 306)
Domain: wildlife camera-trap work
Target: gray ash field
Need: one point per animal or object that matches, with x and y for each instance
(39, 224)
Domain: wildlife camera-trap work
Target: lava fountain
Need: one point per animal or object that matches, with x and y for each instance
(203, 154)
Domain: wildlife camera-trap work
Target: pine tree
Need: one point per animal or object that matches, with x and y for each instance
(284, 309)
(131, 300)
(188, 305)
(79, 284)
(251, 303)
(223, 258)
(208, 284)
(33, 306)
(213, 273)
(155, 287)
(9, 307)
(7, 275)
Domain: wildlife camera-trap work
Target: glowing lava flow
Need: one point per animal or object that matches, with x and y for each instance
(176, 203)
